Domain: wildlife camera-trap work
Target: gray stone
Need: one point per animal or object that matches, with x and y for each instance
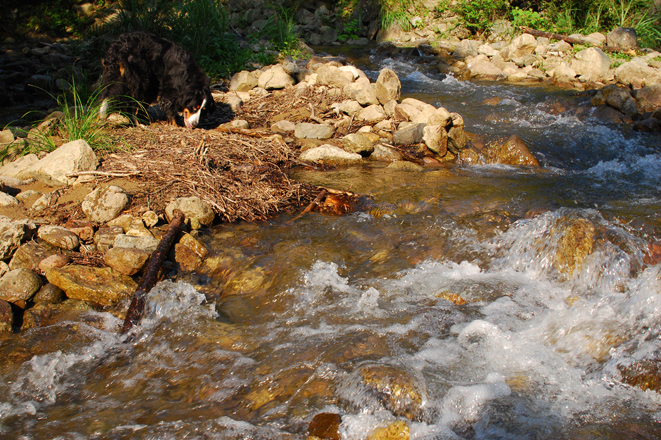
(275, 78)
(69, 158)
(196, 211)
(521, 46)
(13, 169)
(308, 130)
(59, 237)
(465, 49)
(330, 154)
(19, 285)
(12, 234)
(591, 63)
(637, 71)
(623, 38)
(349, 107)
(283, 127)
(481, 68)
(243, 81)
(7, 201)
(357, 143)
(409, 134)
(388, 86)
(148, 244)
(105, 203)
(436, 139)
(385, 154)
(371, 114)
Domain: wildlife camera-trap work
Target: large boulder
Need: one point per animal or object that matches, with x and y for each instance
(637, 72)
(436, 139)
(243, 81)
(102, 286)
(648, 98)
(591, 63)
(357, 143)
(388, 86)
(616, 97)
(408, 134)
(275, 78)
(19, 285)
(481, 68)
(330, 154)
(521, 46)
(465, 49)
(331, 75)
(105, 203)
(623, 38)
(308, 130)
(55, 167)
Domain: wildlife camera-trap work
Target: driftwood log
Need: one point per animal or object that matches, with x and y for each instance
(566, 38)
(150, 277)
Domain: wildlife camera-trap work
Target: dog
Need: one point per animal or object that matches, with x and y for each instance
(142, 68)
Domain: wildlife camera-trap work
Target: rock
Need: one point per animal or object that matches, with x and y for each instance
(371, 114)
(440, 117)
(349, 107)
(45, 201)
(388, 86)
(481, 68)
(512, 151)
(617, 98)
(406, 112)
(6, 137)
(364, 94)
(50, 294)
(395, 388)
(275, 78)
(329, 154)
(308, 130)
(15, 168)
(46, 314)
(563, 72)
(149, 219)
(357, 143)
(197, 211)
(19, 285)
(198, 249)
(69, 158)
(239, 124)
(127, 261)
(521, 46)
(575, 245)
(7, 201)
(649, 125)
(409, 134)
(404, 165)
(12, 234)
(466, 48)
(560, 48)
(648, 99)
(104, 238)
(331, 75)
(55, 260)
(243, 81)
(607, 114)
(4, 268)
(385, 154)
(59, 237)
(29, 255)
(326, 426)
(148, 244)
(637, 71)
(623, 38)
(283, 127)
(105, 203)
(436, 139)
(102, 286)
(591, 63)
(395, 431)
(6, 317)
(456, 139)
(598, 36)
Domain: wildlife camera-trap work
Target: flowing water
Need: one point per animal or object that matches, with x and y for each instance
(484, 302)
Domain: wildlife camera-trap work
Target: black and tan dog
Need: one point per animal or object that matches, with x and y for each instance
(147, 68)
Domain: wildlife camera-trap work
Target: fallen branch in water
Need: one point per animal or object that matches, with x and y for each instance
(150, 276)
(320, 197)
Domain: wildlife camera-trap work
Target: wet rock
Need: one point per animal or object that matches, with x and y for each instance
(326, 426)
(395, 389)
(105, 203)
(29, 255)
(59, 237)
(148, 244)
(649, 125)
(607, 114)
(49, 293)
(69, 158)
(307, 130)
(12, 234)
(623, 38)
(644, 374)
(648, 99)
(436, 139)
(591, 63)
(617, 98)
(189, 252)
(275, 78)
(357, 143)
(127, 261)
(104, 238)
(456, 139)
(329, 154)
(197, 211)
(576, 244)
(409, 134)
(395, 431)
(404, 165)
(243, 81)
(388, 86)
(512, 151)
(6, 317)
(19, 285)
(371, 114)
(102, 286)
(45, 314)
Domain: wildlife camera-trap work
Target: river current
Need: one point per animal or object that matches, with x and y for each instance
(444, 301)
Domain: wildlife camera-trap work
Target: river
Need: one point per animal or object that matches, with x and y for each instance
(453, 300)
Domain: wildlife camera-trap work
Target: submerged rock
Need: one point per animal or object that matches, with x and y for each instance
(575, 245)
(395, 389)
(326, 426)
(395, 431)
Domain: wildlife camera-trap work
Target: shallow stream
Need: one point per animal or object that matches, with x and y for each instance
(482, 302)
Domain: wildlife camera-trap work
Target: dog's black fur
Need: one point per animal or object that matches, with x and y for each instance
(148, 68)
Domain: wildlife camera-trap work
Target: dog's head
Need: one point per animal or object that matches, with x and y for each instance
(196, 101)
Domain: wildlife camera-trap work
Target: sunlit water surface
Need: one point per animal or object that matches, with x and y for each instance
(449, 282)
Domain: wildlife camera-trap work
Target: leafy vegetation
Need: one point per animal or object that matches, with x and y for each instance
(351, 30)
(394, 12)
